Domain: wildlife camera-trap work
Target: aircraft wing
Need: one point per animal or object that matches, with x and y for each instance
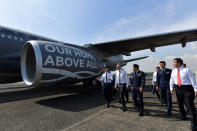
(148, 42)
(134, 59)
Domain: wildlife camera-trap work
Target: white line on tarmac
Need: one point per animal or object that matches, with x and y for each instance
(86, 119)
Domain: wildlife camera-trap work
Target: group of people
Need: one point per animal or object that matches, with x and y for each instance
(165, 83)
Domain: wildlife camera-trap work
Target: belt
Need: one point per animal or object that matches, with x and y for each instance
(107, 83)
(183, 86)
(121, 83)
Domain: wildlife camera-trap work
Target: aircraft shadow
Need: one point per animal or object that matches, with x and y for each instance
(31, 93)
(76, 102)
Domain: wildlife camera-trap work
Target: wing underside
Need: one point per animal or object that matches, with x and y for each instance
(148, 42)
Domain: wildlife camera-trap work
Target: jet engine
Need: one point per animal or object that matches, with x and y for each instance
(44, 62)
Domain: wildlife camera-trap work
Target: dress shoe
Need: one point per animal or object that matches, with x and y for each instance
(194, 126)
(123, 109)
(169, 114)
(183, 117)
(108, 106)
(141, 114)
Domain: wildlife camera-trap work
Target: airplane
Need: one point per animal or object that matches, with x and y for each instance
(41, 61)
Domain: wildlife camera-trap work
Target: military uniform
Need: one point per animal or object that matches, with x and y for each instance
(107, 79)
(163, 82)
(138, 81)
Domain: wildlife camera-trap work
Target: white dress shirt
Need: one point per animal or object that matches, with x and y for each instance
(121, 78)
(187, 78)
(154, 77)
(106, 79)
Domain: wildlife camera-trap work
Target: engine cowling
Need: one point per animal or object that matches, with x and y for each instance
(48, 63)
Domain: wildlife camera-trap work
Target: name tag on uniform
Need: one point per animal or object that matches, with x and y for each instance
(167, 72)
(139, 74)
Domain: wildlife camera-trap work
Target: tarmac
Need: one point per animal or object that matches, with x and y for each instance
(76, 108)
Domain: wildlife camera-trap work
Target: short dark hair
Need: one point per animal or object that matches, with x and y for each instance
(136, 66)
(179, 60)
(106, 67)
(158, 67)
(162, 62)
(184, 65)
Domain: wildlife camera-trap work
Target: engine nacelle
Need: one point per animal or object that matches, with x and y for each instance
(48, 63)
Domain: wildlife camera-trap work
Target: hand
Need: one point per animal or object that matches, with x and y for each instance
(141, 89)
(115, 87)
(172, 91)
(157, 88)
(195, 93)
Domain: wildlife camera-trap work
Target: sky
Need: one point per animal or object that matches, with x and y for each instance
(92, 21)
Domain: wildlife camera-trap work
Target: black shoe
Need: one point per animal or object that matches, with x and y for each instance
(141, 114)
(123, 109)
(108, 106)
(194, 126)
(136, 104)
(183, 117)
(169, 114)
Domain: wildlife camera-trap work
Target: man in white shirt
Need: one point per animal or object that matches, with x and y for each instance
(106, 80)
(185, 102)
(154, 82)
(122, 82)
(186, 88)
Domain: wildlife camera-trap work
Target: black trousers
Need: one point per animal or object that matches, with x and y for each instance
(186, 93)
(166, 97)
(155, 91)
(123, 90)
(138, 99)
(127, 95)
(107, 93)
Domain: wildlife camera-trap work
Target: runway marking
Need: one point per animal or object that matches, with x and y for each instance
(86, 119)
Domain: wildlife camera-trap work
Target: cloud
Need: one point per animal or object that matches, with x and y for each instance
(26, 15)
(193, 46)
(164, 18)
(149, 64)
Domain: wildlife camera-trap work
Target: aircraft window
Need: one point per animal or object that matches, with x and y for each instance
(3, 35)
(15, 38)
(21, 39)
(9, 36)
